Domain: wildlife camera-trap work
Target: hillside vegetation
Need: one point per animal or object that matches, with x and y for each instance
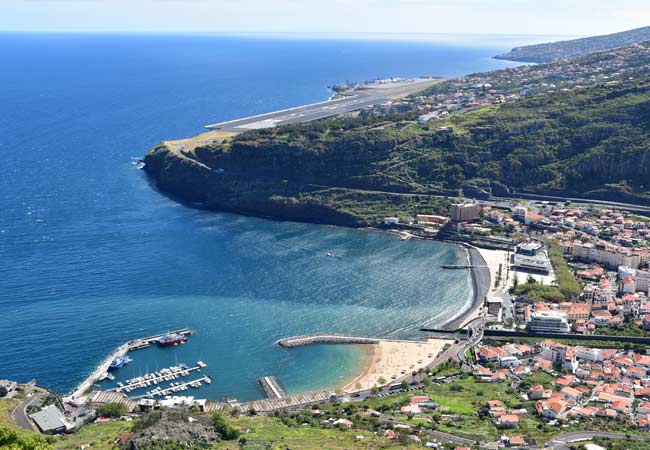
(588, 142)
(552, 51)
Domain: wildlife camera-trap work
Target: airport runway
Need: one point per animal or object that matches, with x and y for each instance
(359, 99)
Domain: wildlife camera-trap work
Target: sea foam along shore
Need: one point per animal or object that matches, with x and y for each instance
(391, 359)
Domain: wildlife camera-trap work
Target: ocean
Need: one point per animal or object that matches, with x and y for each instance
(92, 255)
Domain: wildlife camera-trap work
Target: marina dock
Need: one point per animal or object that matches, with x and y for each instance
(167, 374)
(177, 388)
(101, 371)
(271, 388)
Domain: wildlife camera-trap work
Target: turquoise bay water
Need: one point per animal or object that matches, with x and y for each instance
(91, 255)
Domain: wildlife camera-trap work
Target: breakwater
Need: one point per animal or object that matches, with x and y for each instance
(101, 370)
(308, 339)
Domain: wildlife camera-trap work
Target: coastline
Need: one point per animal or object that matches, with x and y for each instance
(375, 364)
(389, 361)
(480, 280)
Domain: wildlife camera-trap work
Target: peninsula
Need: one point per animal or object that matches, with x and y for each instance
(570, 129)
(552, 51)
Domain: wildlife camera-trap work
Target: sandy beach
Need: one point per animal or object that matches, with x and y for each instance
(389, 360)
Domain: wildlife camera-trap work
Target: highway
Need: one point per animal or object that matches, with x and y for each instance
(358, 99)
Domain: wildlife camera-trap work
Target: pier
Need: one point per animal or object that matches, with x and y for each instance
(461, 266)
(291, 402)
(271, 388)
(101, 370)
(299, 341)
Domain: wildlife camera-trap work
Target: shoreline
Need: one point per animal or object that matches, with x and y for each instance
(390, 361)
(480, 280)
(372, 360)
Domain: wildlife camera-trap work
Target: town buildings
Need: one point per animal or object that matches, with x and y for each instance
(465, 212)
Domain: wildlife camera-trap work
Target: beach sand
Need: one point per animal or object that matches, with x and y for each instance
(390, 360)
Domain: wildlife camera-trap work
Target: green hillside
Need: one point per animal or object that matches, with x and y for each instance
(552, 51)
(589, 142)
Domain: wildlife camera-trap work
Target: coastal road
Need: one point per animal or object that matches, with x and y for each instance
(358, 99)
(19, 414)
(561, 441)
(439, 435)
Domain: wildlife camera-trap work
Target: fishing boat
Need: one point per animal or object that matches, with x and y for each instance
(171, 339)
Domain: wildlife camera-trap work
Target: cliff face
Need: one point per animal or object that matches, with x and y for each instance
(193, 183)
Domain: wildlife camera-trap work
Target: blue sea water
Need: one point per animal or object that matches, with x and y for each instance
(92, 255)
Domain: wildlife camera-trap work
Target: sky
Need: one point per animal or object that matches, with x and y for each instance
(525, 17)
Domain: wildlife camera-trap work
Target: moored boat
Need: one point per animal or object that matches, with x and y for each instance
(171, 339)
(119, 362)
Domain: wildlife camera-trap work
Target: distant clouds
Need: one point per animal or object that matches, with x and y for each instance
(550, 17)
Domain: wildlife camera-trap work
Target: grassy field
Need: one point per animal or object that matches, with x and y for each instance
(97, 436)
(539, 377)
(269, 432)
(208, 137)
(6, 407)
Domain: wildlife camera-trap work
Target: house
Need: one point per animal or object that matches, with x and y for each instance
(499, 376)
(538, 392)
(643, 422)
(50, 420)
(390, 434)
(636, 373)
(343, 422)
(643, 408)
(571, 393)
(508, 421)
(483, 373)
(508, 361)
(516, 441)
(411, 409)
(417, 399)
(486, 354)
(554, 408)
(520, 370)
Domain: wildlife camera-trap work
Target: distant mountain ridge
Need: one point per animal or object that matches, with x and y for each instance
(552, 51)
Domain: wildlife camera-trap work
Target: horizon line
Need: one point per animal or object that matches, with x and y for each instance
(330, 33)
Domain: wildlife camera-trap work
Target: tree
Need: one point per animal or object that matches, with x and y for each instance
(112, 410)
(221, 426)
(11, 440)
